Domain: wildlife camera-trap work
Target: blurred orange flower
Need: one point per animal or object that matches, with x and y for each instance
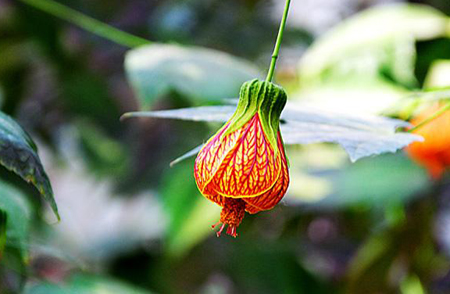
(243, 167)
(434, 152)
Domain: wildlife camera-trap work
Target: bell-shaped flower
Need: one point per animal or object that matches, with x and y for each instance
(243, 167)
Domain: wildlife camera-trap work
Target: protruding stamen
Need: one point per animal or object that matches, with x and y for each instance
(220, 230)
(232, 231)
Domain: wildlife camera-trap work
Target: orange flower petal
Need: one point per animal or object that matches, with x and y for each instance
(434, 152)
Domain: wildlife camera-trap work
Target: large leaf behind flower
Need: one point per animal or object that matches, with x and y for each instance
(18, 153)
(197, 73)
(360, 136)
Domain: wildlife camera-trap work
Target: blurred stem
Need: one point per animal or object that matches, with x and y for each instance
(431, 117)
(88, 23)
(276, 51)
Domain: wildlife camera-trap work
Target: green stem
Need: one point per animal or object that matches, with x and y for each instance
(88, 23)
(431, 117)
(276, 51)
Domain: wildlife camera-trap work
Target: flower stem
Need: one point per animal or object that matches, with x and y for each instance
(88, 23)
(278, 42)
(431, 117)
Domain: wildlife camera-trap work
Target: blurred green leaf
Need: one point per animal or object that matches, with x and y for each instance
(200, 74)
(18, 153)
(367, 63)
(380, 181)
(18, 212)
(378, 40)
(84, 284)
(190, 214)
(412, 285)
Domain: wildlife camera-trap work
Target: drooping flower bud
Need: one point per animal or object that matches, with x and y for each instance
(243, 167)
(434, 152)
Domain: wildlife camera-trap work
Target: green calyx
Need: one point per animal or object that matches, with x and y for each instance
(264, 98)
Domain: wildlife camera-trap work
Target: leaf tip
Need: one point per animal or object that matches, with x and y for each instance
(125, 116)
(54, 208)
(176, 161)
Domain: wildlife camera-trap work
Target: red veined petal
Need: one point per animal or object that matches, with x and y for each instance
(271, 198)
(250, 168)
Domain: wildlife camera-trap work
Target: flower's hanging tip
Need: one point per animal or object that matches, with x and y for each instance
(229, 230)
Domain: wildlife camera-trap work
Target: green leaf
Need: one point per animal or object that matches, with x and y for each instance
(367, 63)
(378, 40)
(18, 153)
(370, 182)
(188, 154)
(84, 284)
(190, 214)
(18, 211)
(412, 285)
(197, 73)
(360, 136)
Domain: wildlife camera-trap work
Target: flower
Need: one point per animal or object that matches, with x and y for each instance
(243, 167)
(434, 152)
